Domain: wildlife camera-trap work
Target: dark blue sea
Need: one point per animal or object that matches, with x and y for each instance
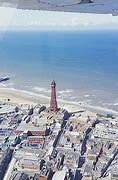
(84, 64)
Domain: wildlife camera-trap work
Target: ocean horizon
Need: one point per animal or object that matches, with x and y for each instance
(84, 64)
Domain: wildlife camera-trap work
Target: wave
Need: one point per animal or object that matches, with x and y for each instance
(47, 91)
(100, 109)
(39, 89)
(115, 104)
(26, 93)
(7, 84)
(65, 91)
(86, 95)
(60, 94)
(82, 104)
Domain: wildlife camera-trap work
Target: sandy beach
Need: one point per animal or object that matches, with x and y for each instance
(20, 97)
(25, 97)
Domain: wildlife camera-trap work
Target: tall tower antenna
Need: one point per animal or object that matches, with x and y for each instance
(53, 101)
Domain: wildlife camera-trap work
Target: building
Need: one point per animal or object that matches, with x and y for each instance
(40, 177)
(53, 102)
(27, 129)
(114, 173)
(35, 139)
(59, 175)
(20, 176)
(88, 170)
(29, 162)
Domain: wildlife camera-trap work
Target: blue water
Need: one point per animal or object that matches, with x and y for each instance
(84, 61)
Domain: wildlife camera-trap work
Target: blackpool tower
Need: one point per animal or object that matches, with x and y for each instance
(53, 102)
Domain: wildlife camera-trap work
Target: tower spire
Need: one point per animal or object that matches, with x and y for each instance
(53, 101)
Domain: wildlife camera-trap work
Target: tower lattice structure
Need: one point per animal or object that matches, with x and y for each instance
(53, 101)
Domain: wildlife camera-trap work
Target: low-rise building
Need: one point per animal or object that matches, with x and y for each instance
(28, 162)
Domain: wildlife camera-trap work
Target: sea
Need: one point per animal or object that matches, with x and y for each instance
(84, 64)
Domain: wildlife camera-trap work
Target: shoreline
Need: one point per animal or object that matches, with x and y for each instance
(26, 97)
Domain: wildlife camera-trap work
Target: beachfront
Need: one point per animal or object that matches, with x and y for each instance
(46, 138)
(24, 97)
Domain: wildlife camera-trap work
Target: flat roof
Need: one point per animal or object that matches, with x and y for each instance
(29, 127)
(6, 109)
(59, 175)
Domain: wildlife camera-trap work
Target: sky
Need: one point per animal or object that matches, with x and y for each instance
(28, 19)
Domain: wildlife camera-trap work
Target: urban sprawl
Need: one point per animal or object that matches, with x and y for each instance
(51, 143)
